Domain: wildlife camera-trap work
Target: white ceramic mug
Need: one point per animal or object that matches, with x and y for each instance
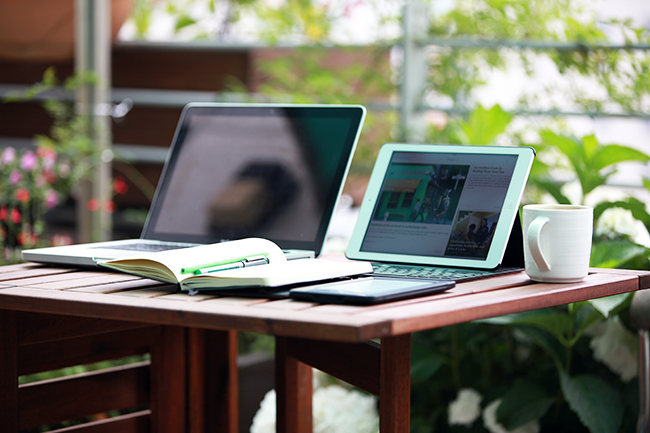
(557, 242)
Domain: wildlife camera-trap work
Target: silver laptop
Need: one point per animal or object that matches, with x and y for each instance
(443, 211)
(240, 170)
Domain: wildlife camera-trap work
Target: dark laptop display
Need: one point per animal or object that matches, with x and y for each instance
(271, 172)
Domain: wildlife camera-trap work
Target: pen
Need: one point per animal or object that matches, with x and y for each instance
(233, 261)
(251, 261)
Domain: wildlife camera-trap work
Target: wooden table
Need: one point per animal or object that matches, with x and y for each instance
(193, 341)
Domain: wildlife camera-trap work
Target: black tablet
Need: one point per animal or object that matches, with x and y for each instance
(368, 290)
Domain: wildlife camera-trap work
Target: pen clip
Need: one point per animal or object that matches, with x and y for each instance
(255, 260)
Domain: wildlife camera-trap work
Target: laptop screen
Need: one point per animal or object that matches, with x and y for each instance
(441, 205)
(264, 170)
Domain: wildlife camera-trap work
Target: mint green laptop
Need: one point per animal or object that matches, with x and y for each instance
(442, 211)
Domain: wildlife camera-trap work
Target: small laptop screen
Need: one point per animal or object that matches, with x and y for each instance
(439, 204)
(265, 171)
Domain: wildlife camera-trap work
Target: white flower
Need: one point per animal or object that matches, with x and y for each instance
(490, 421)
(617, 221)
(466, 408)
(335, 410)
(264, 419)
(616, 347)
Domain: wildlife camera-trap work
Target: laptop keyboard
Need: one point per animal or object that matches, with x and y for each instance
(149, 247)
(428, 272)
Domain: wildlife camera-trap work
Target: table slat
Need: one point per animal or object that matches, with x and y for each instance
(448, 311)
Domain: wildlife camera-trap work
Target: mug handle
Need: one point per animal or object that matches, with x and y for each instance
(534, 232)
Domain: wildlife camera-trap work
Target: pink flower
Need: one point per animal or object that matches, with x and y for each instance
(93, 205)
(8, 155)
(28, 238)
(15, 176)
(48, 156)
(51, 198)
(49, 176)
(60, 239)
(109, 206)
(22, 195)
(120, 186)
(28, 161)
(16, 217)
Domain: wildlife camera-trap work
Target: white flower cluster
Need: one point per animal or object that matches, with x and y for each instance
(617, 348)
(264, 420)
(467, 408)
(335, 410)
(615, 222)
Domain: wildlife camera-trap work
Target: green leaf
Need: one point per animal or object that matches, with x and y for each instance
(523, 403)
(614, 153)
(424, 368)
(598, 405)
(566, 145)
(540, 336)
(610, 304)
(555, 190)
(585, 315)
(184, 21)
(613, 254)
(559, 324)
(483, 126)
(590, 145)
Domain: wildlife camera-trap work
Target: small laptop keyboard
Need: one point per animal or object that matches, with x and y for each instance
(427, 272)
(148, 247)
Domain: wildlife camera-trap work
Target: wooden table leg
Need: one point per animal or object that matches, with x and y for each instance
(213, 381)
(168, 381)
(395, 384)
(383, 370)
(294, 388)
(8, 371)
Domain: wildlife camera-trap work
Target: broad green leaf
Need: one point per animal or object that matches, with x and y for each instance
(485, 125)
(610, 304)
(585, 315)
(523, 403)
(590, 145)
(598, 405)
(425, 367)
(559, 324)
(554, 189)
(566, 145)
(612, 254)
(184, 21)
(614, 153)
(549, 344)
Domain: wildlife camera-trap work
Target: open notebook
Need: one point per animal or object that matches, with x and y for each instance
(443, 211)
(234, 171)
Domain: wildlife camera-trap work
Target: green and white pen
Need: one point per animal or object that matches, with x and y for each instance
(247, 262)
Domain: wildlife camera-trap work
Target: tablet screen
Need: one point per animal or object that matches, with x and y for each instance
(441, 204)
